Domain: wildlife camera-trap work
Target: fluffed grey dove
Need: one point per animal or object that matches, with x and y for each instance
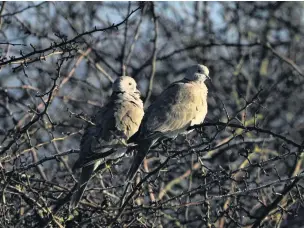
(182, 104)
(114, 124)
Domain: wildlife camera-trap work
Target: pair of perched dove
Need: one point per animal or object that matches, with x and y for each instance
(181, 105)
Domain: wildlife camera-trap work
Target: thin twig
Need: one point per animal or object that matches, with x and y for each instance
(153, 59)
(285, 59)
(73, 40)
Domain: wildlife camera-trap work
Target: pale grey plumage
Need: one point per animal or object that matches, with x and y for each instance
(182, 104)
(114, 124)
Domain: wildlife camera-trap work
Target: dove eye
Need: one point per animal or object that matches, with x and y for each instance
(130, 83)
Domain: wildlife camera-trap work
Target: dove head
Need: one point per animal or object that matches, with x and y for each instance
(197, 73)
(125, 84)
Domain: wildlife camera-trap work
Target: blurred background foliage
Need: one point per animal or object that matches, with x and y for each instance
(243, 169)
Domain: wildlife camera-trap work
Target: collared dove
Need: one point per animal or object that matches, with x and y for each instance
(114, 124)
(182, 104)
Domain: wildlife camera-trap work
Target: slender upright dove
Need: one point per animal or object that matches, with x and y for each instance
(114, 124)
(181, 105)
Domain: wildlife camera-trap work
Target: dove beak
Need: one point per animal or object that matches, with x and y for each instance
(137, 91)
(207, 77)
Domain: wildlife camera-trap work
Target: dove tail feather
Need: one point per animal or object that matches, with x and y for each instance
(85, 176)
(143, 149)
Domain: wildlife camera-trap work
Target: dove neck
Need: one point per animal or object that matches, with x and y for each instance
(132, 97)
(118, 92)
(200, 82)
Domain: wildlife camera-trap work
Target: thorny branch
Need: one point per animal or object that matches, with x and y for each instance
(39, 114)
(242, 167)
(26, 58)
